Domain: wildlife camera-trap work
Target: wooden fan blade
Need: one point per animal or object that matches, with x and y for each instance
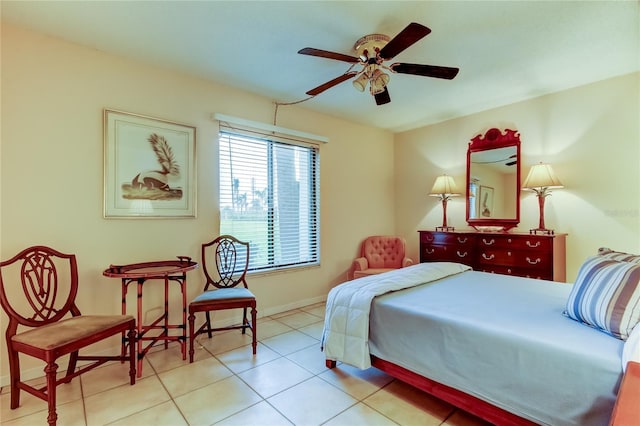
(331, 83)
(330, 55)
(447, 73)
(412, 33)
(382, 97)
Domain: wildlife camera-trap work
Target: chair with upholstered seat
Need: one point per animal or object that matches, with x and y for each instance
(225, 288)
(380, 253)
(38, 287)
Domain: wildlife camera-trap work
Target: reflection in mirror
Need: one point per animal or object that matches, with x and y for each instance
(493, 180)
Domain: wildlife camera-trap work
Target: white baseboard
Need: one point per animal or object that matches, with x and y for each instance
(35, 372)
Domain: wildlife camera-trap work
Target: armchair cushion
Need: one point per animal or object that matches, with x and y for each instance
(380, 254)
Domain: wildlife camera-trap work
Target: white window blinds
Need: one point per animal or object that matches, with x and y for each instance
(269, 193)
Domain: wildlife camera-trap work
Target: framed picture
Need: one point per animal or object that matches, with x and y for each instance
(486, 201)
(149, 167)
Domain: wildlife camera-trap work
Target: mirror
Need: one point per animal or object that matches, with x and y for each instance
(493, 180)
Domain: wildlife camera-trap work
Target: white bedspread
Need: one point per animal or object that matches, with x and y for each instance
(346, 327)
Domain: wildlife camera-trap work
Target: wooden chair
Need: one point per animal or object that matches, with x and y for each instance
(222, 289)
(38, 287)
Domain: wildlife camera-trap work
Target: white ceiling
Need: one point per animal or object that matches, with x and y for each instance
(507, 51)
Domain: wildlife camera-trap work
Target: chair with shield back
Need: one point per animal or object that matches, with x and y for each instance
(225, 262)
(38, 287)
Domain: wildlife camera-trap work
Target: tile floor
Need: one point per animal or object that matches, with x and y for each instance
(285, 383)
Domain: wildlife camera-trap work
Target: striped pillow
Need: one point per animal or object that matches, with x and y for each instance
(606, 295)
(607, 253)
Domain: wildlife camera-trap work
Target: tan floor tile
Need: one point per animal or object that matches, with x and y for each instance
(462, 418)
(275, 376)
(189, 377)
(261, 414)
(165, 414)
(311, 402)
(242, 359)
(313, 330)
(125, 400)
(217, 401)
(311, 358)
(69, 414)
(409, 406)
(224, 341)
(360, 414)
(317, 309)
(299, 319)
(164, 360)
(357, 383)
(270, 328)
(289, 342)
(285, 313)
(108, 376)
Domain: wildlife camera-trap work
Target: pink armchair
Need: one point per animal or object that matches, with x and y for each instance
(380, 254)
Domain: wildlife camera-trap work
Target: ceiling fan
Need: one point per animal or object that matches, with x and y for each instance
(373, 50)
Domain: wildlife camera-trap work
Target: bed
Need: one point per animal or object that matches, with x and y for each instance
(497, 346)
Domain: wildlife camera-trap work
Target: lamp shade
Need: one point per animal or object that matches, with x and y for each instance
(541, 176)
(444, 185)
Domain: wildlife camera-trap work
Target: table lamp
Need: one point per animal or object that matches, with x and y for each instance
(540, 180)
(445, 188)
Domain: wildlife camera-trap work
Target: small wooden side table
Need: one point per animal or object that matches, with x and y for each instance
(168, 271)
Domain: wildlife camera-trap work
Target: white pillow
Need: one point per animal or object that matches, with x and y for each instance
(631, 348)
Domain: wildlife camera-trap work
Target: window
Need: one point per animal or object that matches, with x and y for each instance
(269, 196)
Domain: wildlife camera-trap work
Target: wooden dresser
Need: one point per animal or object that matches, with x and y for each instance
(510, 253)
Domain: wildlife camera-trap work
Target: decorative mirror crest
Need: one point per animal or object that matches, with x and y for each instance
(493, 180)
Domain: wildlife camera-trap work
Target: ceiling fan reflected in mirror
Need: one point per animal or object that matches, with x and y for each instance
(372, 51)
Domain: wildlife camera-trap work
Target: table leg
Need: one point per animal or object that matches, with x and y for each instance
(140, 329)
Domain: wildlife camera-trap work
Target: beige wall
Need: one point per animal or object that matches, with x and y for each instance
(591, 136)
(53, 96)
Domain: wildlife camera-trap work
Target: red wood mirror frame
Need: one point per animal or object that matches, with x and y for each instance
(493, 180)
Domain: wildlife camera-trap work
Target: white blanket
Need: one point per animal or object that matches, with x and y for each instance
(346, 325)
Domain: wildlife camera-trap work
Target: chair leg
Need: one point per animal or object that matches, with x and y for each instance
(192, 320)
(14, 373)
(208, 324)
(254, 331)
(50, 371)
(132, 354)
(73, 360)
(245, 321)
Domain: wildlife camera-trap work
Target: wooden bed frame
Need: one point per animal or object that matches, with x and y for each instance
(457, 398)
(626, 404)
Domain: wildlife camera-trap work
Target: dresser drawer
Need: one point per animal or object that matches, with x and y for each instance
(447, 253)
(517, 258)
(519, 272)
(459, 240)
(532, 242)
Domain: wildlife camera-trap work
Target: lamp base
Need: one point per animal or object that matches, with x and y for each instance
(543, 231)
(445, 228)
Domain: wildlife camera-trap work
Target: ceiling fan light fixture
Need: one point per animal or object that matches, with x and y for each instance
(379, 78)
(361, 82)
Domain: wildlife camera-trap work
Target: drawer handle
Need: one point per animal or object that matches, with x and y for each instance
(533, 262)
(429, 238)
(488, 242)
(533, 245)
(488, 257)
(461, 254)
(462, 240)
(429, 251)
